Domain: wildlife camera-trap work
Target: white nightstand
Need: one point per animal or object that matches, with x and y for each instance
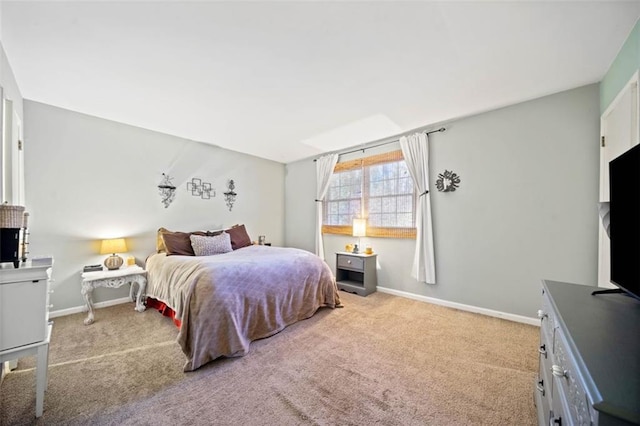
(114, 279)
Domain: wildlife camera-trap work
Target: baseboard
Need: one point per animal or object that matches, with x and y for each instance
(79, 309)
(461, 306)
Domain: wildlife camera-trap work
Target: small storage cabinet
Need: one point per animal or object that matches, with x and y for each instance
(24, 310)
(356, 273)
(25, 329)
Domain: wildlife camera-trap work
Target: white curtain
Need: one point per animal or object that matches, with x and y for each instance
(324, 171)
(415, 149)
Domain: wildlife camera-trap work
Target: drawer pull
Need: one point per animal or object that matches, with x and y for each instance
(540, 387)
(543, 350)
(542, 314)
(349, 262)
(558, 371)
(557, 421)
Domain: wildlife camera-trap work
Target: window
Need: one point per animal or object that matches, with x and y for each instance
(379, 188)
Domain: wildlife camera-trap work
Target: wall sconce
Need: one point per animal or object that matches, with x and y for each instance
(113, 246)
(201, 189)
(359, 230)
(167, 190)
(230, 195)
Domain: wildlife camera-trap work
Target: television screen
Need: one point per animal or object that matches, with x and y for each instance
(624, 196)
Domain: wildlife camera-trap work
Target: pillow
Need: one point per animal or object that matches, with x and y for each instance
(239, 237)
(160, 248)
(178, 243)
(214, 233)
(207, 246)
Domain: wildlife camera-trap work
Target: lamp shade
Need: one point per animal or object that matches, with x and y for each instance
(116, 245)
(359, 227)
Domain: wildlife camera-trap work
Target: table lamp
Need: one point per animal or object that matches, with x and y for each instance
(359, 230)
(113, 246)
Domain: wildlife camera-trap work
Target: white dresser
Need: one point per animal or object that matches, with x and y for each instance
(589, 357)
(24, 317)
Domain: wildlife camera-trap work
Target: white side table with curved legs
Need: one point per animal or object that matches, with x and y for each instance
(114, 279)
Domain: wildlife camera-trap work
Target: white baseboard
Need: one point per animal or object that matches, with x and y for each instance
(78, 309)
(461, 306)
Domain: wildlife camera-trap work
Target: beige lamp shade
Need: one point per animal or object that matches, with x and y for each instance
(359, 227)
(113, 246)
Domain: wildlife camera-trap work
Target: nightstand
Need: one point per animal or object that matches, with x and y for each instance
(356, 273)
(114, 279)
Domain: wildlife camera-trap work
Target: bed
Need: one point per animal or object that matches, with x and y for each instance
(227, 300)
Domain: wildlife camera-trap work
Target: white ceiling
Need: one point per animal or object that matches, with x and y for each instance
(289, 80)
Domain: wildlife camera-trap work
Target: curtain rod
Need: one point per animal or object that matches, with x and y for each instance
(441, 129)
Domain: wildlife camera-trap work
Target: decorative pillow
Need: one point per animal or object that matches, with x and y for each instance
(160, 248)
(239, 237)
(178, 243)
(207, 246)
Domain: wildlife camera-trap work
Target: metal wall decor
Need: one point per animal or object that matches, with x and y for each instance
(167, 190)
(201, 189)
(447, 181)
(230, 195)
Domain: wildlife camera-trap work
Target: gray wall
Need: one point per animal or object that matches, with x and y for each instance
(89, 178)
(525, 210)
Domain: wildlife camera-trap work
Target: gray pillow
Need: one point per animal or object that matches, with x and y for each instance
(207, 246)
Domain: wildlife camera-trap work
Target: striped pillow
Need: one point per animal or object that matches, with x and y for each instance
(207, 246)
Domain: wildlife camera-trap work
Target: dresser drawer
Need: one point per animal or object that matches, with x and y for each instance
(559, 409)
(542, 393)
(568, 383)
(544, 384)
(548, 321)
(544, 373)
(350, 262)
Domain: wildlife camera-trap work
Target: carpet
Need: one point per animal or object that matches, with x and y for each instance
(381, 359)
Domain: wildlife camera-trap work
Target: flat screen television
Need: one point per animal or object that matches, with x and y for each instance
(624, 216)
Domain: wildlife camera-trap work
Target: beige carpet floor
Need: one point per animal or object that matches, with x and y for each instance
(379, 360)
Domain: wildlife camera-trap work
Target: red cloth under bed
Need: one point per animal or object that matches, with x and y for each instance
(164, 310)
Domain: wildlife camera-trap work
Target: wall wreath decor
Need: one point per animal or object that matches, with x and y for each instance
(447, 181)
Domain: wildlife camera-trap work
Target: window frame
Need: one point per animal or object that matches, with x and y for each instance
(383, 232)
